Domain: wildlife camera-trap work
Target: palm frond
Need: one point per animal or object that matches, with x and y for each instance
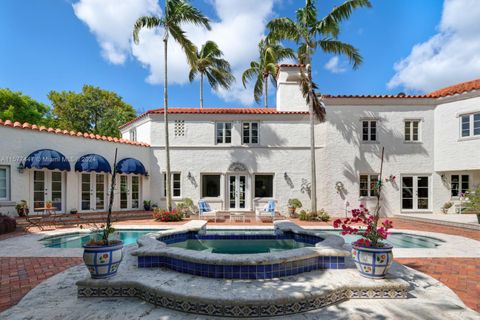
(283, 28)
(192, 74)
(342, 48)
(344, 11)
(145, 22)
(187, 46)
(308, 88)
(180, 11)
(251, 73)
(258, 89)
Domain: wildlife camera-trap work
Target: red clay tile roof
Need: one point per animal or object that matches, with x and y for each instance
(380, 96)
(215, 111)
(26, 125)
(456, 89)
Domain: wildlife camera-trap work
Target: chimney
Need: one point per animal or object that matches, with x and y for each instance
(289, 94)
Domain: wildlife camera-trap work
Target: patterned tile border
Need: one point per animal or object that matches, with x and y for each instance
(245, 310)
(240, 269)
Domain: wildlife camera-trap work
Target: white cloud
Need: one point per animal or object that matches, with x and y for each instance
(334, 66)
(449, 57)
(111, 21)
(239, 28)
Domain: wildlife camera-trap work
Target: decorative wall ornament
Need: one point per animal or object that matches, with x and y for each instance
(237, 166)
(306, 187)
(339, 187)
(391, 179)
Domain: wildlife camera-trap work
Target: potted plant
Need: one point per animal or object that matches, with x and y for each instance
(103, 256)
(22, 208)
(147, 205)
(371, 255)
(293, 205)
(73, 211)
(49, 204)
(473, 205)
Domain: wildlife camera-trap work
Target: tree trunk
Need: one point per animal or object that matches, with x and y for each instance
(201, 90)
(165, 117)
(313, 189)
(265, 94)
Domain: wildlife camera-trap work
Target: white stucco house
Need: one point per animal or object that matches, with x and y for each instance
(238, 158)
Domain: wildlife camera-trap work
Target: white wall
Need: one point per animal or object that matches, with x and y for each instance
(289, 96)
(451, 151)
(16, 144)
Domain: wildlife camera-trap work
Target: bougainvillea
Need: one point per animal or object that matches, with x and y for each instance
(372, 234)
(167, 216)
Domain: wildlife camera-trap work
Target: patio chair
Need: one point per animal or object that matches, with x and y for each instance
(267, 213)
(205, 211)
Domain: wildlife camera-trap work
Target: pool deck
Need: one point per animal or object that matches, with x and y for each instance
(24, 263)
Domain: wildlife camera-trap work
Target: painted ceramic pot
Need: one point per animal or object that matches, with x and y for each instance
(372, 262)
(103, 261)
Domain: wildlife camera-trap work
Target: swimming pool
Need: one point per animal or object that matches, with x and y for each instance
(128, 236)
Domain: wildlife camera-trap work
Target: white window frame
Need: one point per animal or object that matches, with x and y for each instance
(133, 134)
(220, 185)
(273, 184)
(460, 184)
(419, 130)
(370, 191)
(471, 126)
(173, 173)
(7, 183)
(369, 139)
(250, 135)
(224, 131)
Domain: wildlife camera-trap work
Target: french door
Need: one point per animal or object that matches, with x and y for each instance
(48, 186)
(130, 192)
(237, 191)
(93, 192)
(416, 192)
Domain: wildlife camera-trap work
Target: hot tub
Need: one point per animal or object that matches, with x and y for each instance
(290, 250)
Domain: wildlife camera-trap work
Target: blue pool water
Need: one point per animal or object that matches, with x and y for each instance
(397, 239)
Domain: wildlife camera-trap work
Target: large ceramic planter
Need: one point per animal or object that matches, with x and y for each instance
(103, 261)
(372, 262)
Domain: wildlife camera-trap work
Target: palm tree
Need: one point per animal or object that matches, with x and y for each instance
(209, 63)
(177, 12)
(309, 33)
(270, 53)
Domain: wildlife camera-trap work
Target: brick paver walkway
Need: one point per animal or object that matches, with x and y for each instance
(20, 275)
(462, 275)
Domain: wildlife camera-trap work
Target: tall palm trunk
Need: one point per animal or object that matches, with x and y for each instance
(265, 94)
(165, 116)
(313, 166)
(201, 90)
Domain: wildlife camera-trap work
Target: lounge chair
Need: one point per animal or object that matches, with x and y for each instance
(205, 211)
(267, 212)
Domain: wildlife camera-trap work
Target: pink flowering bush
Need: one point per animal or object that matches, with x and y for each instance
(372, 235)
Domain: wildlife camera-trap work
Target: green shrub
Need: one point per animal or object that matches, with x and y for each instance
(321, 215)
(186, 207)
(473, 205)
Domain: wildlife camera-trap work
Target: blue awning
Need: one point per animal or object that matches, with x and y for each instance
(131, 165)
(93, 163)
(47, 159)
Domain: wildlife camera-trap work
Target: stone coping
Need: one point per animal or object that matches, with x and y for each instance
(148, 245)
(242, 298)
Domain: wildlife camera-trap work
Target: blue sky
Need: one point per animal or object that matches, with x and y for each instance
(62, 45)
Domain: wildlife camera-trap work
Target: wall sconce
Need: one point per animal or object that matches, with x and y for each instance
(285, 175)
(189, 175)
(20, 167)
(146, 174)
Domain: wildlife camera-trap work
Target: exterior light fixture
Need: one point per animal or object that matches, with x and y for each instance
(20, 167)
